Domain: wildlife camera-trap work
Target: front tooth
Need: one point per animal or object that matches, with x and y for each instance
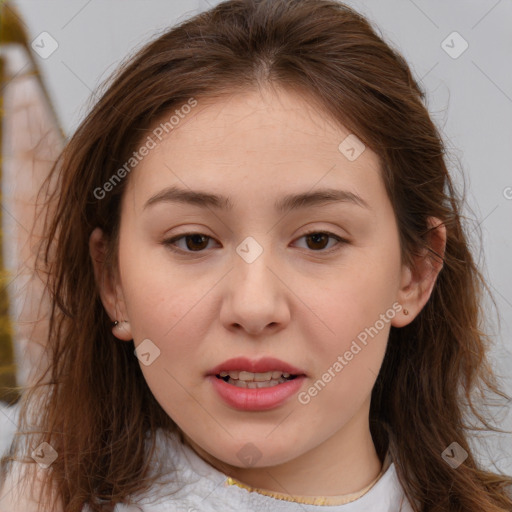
(256, 385)
(260, 377)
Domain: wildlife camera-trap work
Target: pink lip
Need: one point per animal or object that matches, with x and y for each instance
(261, 399)
(265, 364)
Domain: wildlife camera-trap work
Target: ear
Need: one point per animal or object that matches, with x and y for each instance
(417, 282)
(109, 286)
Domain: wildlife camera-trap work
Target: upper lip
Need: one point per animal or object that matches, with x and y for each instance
(265, 364)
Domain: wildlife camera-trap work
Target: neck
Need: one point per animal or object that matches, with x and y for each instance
(345, 463)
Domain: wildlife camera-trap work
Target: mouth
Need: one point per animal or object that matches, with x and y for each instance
(250, 380)
(265, 372)
(259, 386)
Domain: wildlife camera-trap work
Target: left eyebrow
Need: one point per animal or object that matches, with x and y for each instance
(289, 202)
(322, 197)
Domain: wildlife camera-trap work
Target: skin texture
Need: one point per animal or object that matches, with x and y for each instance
(296, 301)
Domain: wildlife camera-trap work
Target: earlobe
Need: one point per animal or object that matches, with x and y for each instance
(418, 280)
(109, 290)
(121, 329)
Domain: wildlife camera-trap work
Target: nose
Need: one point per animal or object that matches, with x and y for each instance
(256, 298)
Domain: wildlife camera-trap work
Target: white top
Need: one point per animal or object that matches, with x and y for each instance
(205, 489)
(202, 488)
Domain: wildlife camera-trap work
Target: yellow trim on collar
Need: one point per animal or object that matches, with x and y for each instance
(313, 500)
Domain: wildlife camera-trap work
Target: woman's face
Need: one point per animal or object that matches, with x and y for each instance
(251, 283)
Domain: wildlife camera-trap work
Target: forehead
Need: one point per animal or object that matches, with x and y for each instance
(254, 120)
(263, 140)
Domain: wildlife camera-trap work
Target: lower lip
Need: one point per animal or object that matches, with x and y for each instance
(259, 399)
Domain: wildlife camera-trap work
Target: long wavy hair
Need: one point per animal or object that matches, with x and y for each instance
(93, 404)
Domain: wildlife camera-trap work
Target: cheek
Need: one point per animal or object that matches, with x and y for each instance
(159, 298)
(345, 362)
(352, 299)
(167, 310)
(353, 310)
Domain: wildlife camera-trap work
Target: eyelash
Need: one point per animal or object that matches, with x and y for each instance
(169, 243)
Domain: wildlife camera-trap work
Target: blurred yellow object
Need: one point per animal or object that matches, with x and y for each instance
(30, 141)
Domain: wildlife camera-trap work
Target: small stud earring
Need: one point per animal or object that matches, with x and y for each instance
(406, 311)
(119, 324)
(121, 328)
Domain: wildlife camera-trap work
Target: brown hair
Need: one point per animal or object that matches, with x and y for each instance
(100, 407)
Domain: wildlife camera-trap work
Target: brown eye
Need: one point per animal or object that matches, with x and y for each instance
(194, 242)
(317, 241)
